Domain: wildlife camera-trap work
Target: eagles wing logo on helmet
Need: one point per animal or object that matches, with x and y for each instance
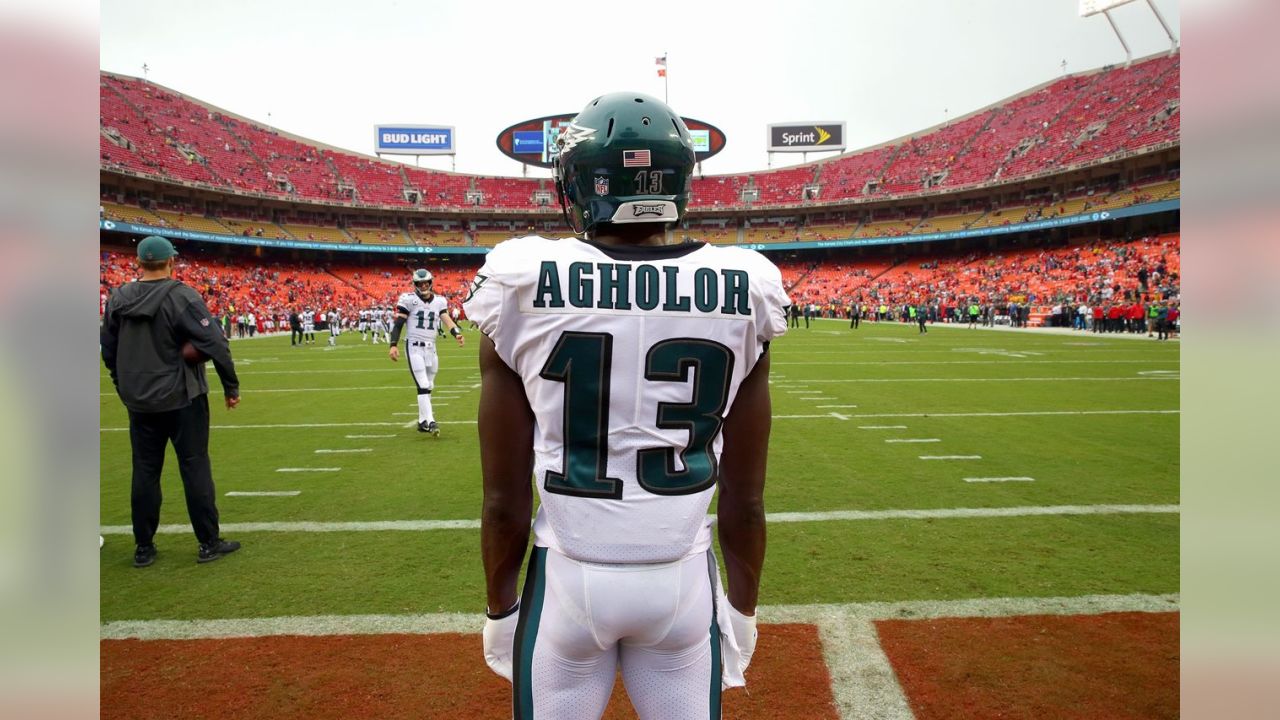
(572, 135)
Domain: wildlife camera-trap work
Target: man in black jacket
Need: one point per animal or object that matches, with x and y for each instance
(143, 332)
(295, 328)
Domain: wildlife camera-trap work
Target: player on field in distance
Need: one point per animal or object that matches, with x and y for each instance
(422, 311)
(627, 379)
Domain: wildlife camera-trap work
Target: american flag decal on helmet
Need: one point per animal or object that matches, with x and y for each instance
(635, 158)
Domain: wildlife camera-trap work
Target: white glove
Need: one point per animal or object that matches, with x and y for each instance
(741, 646)
(499, 641)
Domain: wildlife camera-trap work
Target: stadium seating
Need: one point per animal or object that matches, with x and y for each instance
(1095, 272)
(1068, 122)
(316, 233)
(275, 289)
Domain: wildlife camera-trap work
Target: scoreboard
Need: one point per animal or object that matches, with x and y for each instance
(533, 142)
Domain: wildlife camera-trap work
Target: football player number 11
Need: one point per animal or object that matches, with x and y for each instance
(583, 362)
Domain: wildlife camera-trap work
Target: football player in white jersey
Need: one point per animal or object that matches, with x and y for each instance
(375, 324)
(309, 326)
(422, 312)
(335, 327)
(630, 379)
(363, 325)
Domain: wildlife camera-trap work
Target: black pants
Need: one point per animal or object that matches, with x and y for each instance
(295, 336)
(853, 321)
(188, 430)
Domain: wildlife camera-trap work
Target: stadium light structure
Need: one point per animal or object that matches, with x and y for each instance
(1094, 7)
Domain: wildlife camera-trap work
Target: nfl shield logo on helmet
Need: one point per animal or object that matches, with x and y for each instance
(602, 186)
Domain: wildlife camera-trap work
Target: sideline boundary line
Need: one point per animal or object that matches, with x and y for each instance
(1029, 413)
(781, 517)
(863, 682)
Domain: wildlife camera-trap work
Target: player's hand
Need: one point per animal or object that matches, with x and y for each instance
(499, 642)
(394, 353)
(232, 401)
(737, 655)
(461, 341)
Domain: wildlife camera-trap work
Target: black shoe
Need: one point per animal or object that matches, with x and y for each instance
(433, 428)
(422, 426)
(144, 556)
(216, 549)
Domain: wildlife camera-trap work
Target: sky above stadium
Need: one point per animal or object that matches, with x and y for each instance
(331, 70)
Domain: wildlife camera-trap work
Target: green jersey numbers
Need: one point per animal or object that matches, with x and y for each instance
(581, 361)
(426, 320)
(584, 361)
(712, 367)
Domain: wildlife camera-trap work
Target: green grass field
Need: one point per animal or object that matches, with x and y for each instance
(1092, 419)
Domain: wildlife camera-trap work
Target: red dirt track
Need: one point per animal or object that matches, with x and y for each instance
(1114, 666)
(397, 676)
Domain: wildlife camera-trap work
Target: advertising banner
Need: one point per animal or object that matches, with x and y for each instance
(806, 137)
(413, 140)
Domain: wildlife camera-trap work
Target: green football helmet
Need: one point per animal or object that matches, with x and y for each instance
(626, 158)
(422, 283)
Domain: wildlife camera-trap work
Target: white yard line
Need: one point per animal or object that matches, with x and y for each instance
(266, 493)
(913, 440)
(433, 623)
(336, 451)
(863, 681)
(366, 437)
(1145, 378)
(308, 469)
(999, 479)
(1033, 413)
(783, 517)
(950, 457)
(837, 406)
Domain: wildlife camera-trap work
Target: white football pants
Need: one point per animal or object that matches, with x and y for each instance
(579, 622)
(423, 365)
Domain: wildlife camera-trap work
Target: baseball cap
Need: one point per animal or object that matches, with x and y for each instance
(154, 247)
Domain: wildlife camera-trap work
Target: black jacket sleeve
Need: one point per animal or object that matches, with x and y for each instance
(109, 340)
(202, 330)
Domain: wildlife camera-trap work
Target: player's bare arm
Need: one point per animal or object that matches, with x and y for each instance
(453, 328)
(740, 516)
(505, 423)
(394, 351)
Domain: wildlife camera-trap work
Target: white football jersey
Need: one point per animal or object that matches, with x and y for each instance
(631, 358)
(424, 316)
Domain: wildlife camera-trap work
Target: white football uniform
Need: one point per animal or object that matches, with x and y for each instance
(424, 317)
(631, 358)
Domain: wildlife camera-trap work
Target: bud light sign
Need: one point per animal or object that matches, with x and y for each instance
(413, 140)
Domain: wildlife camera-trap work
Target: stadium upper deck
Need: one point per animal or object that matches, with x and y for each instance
(1068, 123)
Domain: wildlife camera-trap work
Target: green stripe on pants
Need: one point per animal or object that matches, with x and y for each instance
(527, 634)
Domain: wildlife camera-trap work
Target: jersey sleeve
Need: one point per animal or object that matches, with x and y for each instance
(772, 301)
(483, 303)
(403, 303)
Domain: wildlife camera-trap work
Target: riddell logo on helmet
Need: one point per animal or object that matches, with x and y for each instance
(640, 210)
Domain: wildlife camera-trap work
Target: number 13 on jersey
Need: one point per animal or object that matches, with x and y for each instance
(583, 362)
